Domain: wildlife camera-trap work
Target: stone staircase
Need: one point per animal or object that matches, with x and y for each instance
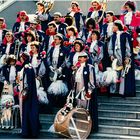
(119, 118)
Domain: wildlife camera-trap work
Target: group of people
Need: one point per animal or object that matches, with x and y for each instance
(90, 55)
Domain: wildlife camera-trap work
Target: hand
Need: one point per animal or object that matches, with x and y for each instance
(112, 58)
(73, 67)
(127, 60)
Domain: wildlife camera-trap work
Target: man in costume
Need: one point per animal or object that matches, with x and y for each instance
(28, 99)
(120, 53)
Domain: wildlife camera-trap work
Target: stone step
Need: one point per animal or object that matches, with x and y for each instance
(119, 122)
(119, 114)
(131, 131)
(47, 117)
(44, 134)
(105, 136)
(12, 131)
(130, 100)
(137, 82)
(46, 124)
(119, 106)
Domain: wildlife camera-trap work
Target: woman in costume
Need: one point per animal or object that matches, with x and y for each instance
(71, 36)
(8, 45)
(96, 48)
(57, 65)
(2, 29)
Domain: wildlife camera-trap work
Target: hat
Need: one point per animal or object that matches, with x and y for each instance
(72, 28)
(52, 22)
(97, 1)
(22, 13)
(83, 54)
(75, 2)
(42, 3)
(119, 22)
(2, 19)
(25, 56)
(31, 33)
(9, 33)
(57, 14)
(10, 58)
(131, 4)
(59, 35)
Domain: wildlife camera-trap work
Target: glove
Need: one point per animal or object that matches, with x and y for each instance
(59, 70)
(88, 95)
(51, 68)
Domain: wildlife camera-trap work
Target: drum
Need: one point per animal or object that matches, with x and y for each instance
(76, 124)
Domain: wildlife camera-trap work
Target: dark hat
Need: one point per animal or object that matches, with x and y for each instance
(25, 56)
(83, 54)
(131, 4)
(30, 33)
(2, 19)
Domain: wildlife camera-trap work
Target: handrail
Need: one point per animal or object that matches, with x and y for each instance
(5, 3)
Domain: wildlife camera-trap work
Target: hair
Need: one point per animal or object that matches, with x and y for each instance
(52, 24)
(92, 22)
(131, 5)
(80, 44)
(9, 59)
(73, 30)
(120, 27)
(60, 38)
(97, 33)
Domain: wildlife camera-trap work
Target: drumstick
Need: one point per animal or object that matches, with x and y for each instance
(75, 128)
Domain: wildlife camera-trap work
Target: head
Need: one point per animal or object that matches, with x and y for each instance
(23, 15)
(57, 17)
(33, 25)
(58, 39)
(52, 27)
(40, 6)
(34, 47)
(95, 4)
(130, 6)
(29, 37)
(118, 26)
(11, 60)
(9, 37)
(83, 59)
(71, 31)
(90, 23)
(24, 58)
(74, 5)
(95, 35)
(78, 46)
(109, 16)
(1, 22)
